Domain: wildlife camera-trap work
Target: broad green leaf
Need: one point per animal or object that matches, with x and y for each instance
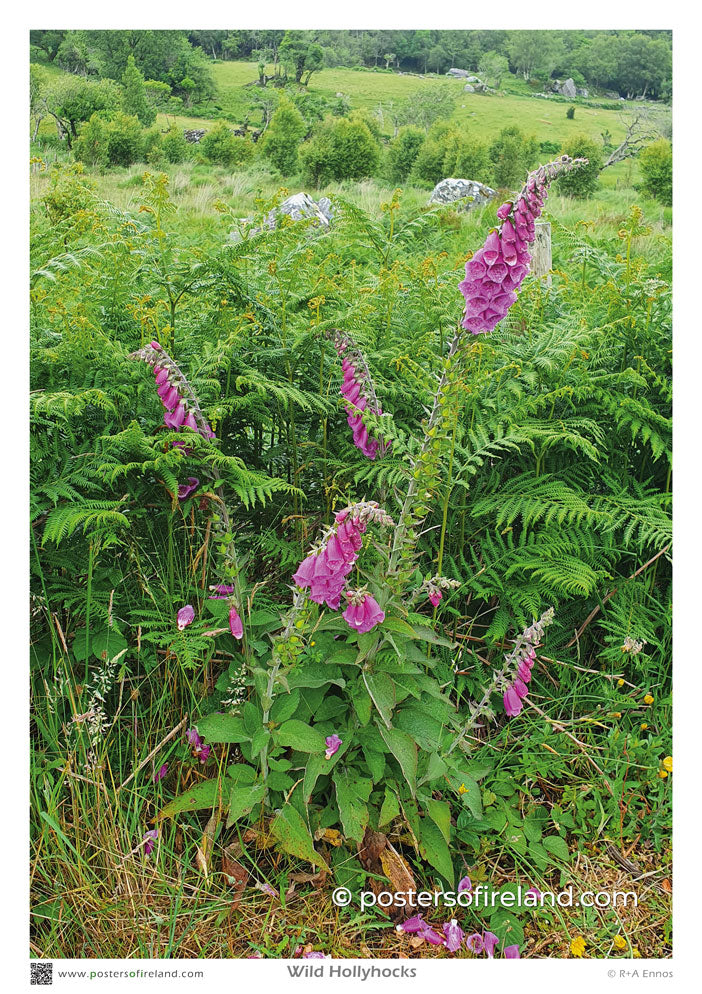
(293, 836)
(241, 774)
(440, 814)
(471, 797)
(532, 830)
(300, 736)
(382, 690)
(557, 847)
(405, 752)
(390, 808)
(362, 703)
(434, 849)
(375, 762)
(259, 741)
(224, 728)
(285, 706)
(399, 626)
(207, 794)
(104, 645)
(351, 796)
(539, 855)
(318, 764)
(242, 800)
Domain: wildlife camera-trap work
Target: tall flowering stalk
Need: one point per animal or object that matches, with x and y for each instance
(512, 677)
(182, 409)
(493, 276)
(358, 390)
(497, 270)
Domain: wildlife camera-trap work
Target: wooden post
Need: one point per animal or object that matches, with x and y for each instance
(541, 260)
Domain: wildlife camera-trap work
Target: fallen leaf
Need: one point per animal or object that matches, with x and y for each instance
(236, 874)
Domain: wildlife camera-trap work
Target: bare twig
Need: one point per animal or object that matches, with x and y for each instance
(153, 752)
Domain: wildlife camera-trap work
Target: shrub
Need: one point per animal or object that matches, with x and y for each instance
(581, 182)
(402, 153)
(124, 139)
(91, 147)
(283, 136)
(134, 99)
(570, 113)
(512, 154)
(175, 146)
(224, 148)
(343, 148)
(429, 164)
(467, 157)
(656, 163)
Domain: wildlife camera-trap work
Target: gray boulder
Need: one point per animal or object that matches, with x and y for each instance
(449, 190)
(612, 94)
(568, 89)
(582, 92)
(300, 206)
(468, 88)
(458, 73)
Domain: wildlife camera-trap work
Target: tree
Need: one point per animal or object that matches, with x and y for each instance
(71, 100)
(343, 148)
(426, 107)
(531, 52)
(124, 140)
(436, 59)
(223, 147)
(492, 67)
(656, 163)
(175, 145)
(512, 155)
(283, 136)
(581, 182)
(37, 86)
(134, 100)
(402, 153)
(300, 56)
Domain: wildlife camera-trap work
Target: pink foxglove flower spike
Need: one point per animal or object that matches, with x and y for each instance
(185, 616)
(496, 270)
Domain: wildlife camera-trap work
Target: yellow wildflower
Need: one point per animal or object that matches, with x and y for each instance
(577, 946)
(636, 954)
(668, 764)
(648, 699)
(663, 774)
(644, 726)
(620, 683)
(619, 942)
(463, 789)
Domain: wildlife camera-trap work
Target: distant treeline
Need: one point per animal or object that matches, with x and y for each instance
(632, 63)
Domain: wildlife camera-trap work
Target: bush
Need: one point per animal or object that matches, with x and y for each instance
(581, 182)
(282, 138)
(90, 146)
(175, 146)
(513, 154)
(343, 148)
(466, 157)
(124, 140)
(134, 99)
(429, 164)
(402, 153)
(223, 147)
(656, 163)
(570, 113)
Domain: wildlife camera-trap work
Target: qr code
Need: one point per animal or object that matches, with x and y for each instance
(41, 973)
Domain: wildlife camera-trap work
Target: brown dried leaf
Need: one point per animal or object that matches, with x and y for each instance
(316, 879)
(396, 870)
(236, 874)
(372, 846)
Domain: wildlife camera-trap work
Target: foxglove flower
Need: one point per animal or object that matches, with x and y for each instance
(177, 397)
(198, 747)
(490, 940)
(523, 658)
(235, 623)
(464, 884)
(221, 591)
(185, 489)
(496, 271)
(332, 742)
(160, 774)
(511, 952)
(453, 935)
(150, 841)
(435, 596)
(185, 616)
(417, 926)
(358, 391)
(475, 943)
(315, 955)
(363, 612)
